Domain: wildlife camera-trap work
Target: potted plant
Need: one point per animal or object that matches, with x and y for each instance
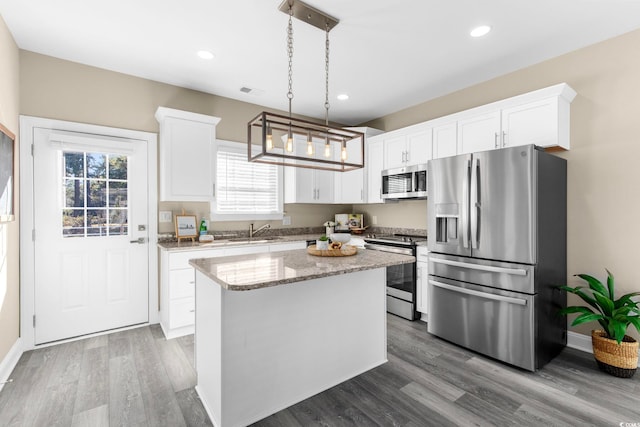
(615, 352)
(322, 244)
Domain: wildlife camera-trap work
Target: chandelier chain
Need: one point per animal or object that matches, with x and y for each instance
(326, 70)
(290, 54)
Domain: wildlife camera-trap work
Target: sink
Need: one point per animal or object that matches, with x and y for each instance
(271, 238)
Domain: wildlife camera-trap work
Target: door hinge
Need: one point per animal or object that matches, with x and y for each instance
(34, 320)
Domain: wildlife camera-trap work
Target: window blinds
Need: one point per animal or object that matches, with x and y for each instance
(244, 187)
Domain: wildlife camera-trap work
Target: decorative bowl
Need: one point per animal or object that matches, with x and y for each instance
(340, 237)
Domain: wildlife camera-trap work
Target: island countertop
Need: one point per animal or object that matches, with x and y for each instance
(263, 270)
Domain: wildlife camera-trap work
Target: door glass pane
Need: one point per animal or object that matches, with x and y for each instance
(95, 195)
(74, 165)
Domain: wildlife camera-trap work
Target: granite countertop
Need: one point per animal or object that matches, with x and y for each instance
(256, 271)
(237, 241)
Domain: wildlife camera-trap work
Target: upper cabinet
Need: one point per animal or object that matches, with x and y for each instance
(407, 146)
(352, 186)
(540, 117)
(374, 167)
(444, 140)
(187, 163)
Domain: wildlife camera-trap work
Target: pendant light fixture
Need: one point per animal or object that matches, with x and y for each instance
(288, 141)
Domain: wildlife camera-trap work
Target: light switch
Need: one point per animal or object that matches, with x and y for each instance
(286, 220)
(165, 216)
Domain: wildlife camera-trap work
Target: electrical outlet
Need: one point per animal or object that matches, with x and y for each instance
(286, 220)
(165, 216)
(374, 220)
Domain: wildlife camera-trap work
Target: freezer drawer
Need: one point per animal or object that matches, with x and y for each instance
(499, 324)
(496, 274)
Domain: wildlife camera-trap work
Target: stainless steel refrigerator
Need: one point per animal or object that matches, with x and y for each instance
(497, 239)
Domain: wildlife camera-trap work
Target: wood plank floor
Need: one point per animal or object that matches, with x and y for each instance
(137, 378)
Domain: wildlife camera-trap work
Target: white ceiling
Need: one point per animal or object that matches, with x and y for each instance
(387, 55)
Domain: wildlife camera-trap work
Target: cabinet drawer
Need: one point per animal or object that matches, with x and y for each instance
(182, 283)
(180, 260)
(182, 312)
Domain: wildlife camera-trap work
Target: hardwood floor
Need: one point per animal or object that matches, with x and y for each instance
(137, 378)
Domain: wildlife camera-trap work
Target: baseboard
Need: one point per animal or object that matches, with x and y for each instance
(10, 361)
(579, 341)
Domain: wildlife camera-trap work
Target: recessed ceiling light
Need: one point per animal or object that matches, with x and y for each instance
(480, 31)
(205, 54)
(343, 97)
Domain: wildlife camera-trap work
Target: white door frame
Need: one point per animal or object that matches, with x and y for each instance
(27, 265)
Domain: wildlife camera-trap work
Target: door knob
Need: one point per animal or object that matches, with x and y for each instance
(140, 240)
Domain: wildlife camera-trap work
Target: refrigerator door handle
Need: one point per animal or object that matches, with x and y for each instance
(489, 268)
(464, 227)
(475, 204)
(480, 294)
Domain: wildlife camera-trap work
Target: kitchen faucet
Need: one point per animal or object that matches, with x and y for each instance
(253, 232)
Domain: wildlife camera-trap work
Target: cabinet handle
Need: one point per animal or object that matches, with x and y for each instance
(495, 140)
(504, 139)
(407, 156)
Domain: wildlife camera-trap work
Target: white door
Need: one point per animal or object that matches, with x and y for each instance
(91, 239)
(479, 133)
(444, 140)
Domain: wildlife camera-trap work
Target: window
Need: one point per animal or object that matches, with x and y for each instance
(245, 190)
(95, 194)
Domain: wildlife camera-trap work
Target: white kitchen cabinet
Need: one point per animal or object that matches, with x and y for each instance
(352, 186)
(375, 165)
(407, 146)
(187, 163)
(544, 123)
(422, 279)
(304, 185)
(287, 246)
(444, 140)
(177, 290)
(479, 133)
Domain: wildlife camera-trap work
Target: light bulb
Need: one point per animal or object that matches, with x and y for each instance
(310, 150)
(327, 149)
(343, 153)
(290, 143)
(269, 139)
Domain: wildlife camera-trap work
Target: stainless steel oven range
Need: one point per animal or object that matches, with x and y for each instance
(401, 279)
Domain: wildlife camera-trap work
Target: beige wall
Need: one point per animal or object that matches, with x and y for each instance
(603, 171)
(9, 232)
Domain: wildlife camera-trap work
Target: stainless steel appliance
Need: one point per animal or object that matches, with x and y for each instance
(401, 279)
(409, 182)
(498, 251)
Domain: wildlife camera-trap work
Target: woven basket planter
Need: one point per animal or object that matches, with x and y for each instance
(620, 360)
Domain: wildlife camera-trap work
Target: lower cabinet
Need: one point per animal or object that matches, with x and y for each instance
(177, 282)
(422, 281)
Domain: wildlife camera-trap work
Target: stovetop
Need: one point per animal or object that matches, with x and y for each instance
(398, 239)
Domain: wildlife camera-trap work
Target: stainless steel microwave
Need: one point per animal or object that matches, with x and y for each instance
(409, 182)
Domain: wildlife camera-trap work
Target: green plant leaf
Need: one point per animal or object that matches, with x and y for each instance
(610, 283)
(594, 284)
(626, 300)
(587, 317)
(619, 329)
(586, 298)
(606, 305)
(635, 321)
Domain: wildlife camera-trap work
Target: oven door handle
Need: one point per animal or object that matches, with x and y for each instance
(510, 300)
(385, 248)
(489, 268)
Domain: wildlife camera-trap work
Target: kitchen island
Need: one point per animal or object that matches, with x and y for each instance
(273, 329)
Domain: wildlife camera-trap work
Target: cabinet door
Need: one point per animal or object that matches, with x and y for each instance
(349, 186)
(532, 123)
(479, 133)
(444, 140)
(422, 268)
(187, 164)
(375, 164)
(419, 147)
(395, 149)
(305, 190)
(323, 183)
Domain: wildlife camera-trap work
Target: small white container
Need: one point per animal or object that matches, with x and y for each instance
(322, 245)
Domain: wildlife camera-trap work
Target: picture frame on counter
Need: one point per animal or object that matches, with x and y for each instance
(186, 227)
